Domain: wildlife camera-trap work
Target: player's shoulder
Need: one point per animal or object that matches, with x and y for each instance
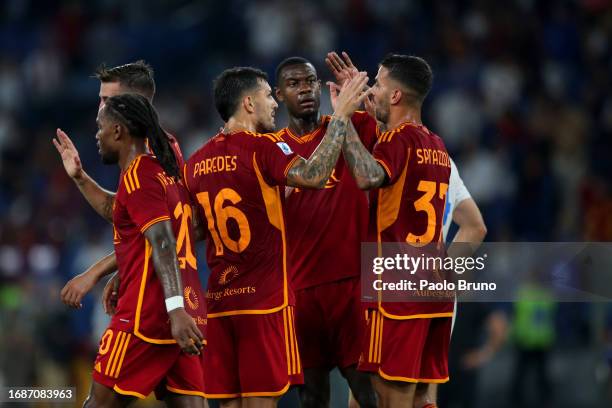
(205, 148)
(390, 136)
(142, 168)
(406, 131)
(269, 142)
(274, 137)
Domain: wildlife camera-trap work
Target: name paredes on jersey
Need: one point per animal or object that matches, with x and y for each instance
(433, 156)
(215, 164)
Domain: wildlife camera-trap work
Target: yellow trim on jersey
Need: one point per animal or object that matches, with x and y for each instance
(266, 394)
(291, 135)
(185, 176)
(372, 326)
(130, 393)
(411, 380)
(161, 181)
(134, 172)
(388, 135)
(297, 348)
(154, 221)
(221, 396)
(112, 355)
(125, 346)
(129, 185)
(185, 392)
(272, 136)
(127, 178)
(250, 394)
(245, 312)
(414, 316)
(308, 136)
(387, 170)
(379, 336)
(290, 165)
(287, 348)
(143, 284)
(121, 340)
(295, 368)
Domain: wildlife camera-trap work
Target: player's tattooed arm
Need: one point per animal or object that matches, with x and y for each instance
(366, 171)
(315, 171)
(100, 199)
(165, 262)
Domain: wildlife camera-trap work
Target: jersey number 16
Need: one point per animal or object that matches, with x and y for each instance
(221, 215)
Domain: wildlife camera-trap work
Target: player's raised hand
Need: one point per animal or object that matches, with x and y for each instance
(185, 331)
(76, 288)
(342, 69)
(69, 154)
(352, 95)
(110, 294)
(334, 89)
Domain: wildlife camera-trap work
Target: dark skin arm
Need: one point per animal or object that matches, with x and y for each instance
(100, 199)
(165, 262)
(315, 171)
(73, 292)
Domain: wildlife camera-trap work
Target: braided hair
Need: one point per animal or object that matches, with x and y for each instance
(141, 120)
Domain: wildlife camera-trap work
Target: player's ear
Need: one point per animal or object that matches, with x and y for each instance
(247, 103)
(278, 94)
(396, 96)
(117, 130)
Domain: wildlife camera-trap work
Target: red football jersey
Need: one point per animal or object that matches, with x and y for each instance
(410, 207)
(145, 196)
(175, 148)
(236, 182)
(326, 227)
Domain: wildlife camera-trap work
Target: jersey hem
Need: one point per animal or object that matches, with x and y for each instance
(247, 311)
(412, 380)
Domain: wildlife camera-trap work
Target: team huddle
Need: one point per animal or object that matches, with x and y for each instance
(283, 214)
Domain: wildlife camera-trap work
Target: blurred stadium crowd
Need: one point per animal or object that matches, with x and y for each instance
(522, 97)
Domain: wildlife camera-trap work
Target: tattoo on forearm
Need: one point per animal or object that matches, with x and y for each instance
(166, 267)
(107, 207)
(365, 169)
(315, 171)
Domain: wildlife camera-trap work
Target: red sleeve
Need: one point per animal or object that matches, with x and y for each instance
(146, 195)
(276, 158)
(392, 155)
(366, 127)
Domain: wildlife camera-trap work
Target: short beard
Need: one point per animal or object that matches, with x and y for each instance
(110, 158)
(382, 116)
(264, 128)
